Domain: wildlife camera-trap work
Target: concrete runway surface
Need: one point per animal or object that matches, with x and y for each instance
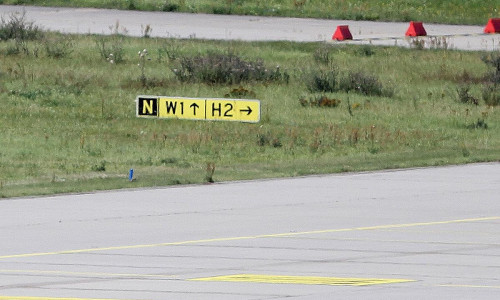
(251, 28)
(430, 233)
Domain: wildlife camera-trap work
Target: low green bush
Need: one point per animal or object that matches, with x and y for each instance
(229, 68)
(491, 95)
(364, 84)
(334, 81)
(322, 81)
(16, 27)
(465, 96)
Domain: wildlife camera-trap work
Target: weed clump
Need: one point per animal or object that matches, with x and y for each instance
(18, 28)
(320, 101)
(100, 167)
(365, 50)
(266, 139)
(322, 55)
(480, 124)
(226, 69)
(322, 81)
(169, 6)
(240, 92)
(332, 81)
(58, 47)
(18, 46)
(169, 49)
(364, 84)
(111, 48)
(491, 95)
(210, 170)
(31, 94)
(465, 97)
(493, 60)
(142, 64)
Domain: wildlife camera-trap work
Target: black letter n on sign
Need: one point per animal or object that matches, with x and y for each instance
(147, 107)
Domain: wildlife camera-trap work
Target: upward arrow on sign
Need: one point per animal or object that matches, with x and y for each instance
(194, 106)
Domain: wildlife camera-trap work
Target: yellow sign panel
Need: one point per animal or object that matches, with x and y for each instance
(198, 108)
(233, 110)
(181, 108)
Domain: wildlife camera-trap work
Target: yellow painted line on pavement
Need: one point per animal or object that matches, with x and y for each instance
(277, 235)
(313, 280)
(49, 298)
(87, 274)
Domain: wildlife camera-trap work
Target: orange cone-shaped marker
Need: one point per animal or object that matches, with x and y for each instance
(342, 33)
(416, 29)
(493, 26)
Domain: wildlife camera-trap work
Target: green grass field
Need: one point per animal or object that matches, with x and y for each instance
(68, 119)
(445, 12)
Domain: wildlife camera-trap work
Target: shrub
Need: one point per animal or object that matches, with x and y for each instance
(16, 27)
(491, 95)
(169, 6)
(58, 47)
(480, 124)
(210, 170)
(263, 139)
(170, 49)
(365, 50)
(131, 5)
(493, 59)
(225, 69)
(332, 81)
(100, 167)
(322, 54)
(111, 48)
(465, 97)
(322, 81)
(218, 10)
(17, 46)
(363, 84)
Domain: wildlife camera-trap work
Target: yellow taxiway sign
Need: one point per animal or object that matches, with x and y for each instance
(241, 110)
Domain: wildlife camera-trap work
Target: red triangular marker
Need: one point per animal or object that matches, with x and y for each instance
(416, 29)
(493, 26)
(342, 33)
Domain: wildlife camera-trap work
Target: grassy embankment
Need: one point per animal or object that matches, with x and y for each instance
(447, 12)
(68, 113)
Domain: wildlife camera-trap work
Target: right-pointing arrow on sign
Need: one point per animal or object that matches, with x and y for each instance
(248, 110)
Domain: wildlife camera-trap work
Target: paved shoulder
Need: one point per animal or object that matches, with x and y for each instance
(248, 28)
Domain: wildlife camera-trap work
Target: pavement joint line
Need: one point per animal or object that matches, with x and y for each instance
(50, 298)
(470, 286)
(87, 274)
(252, 237)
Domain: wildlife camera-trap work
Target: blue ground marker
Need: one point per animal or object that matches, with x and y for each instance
(131, 175)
